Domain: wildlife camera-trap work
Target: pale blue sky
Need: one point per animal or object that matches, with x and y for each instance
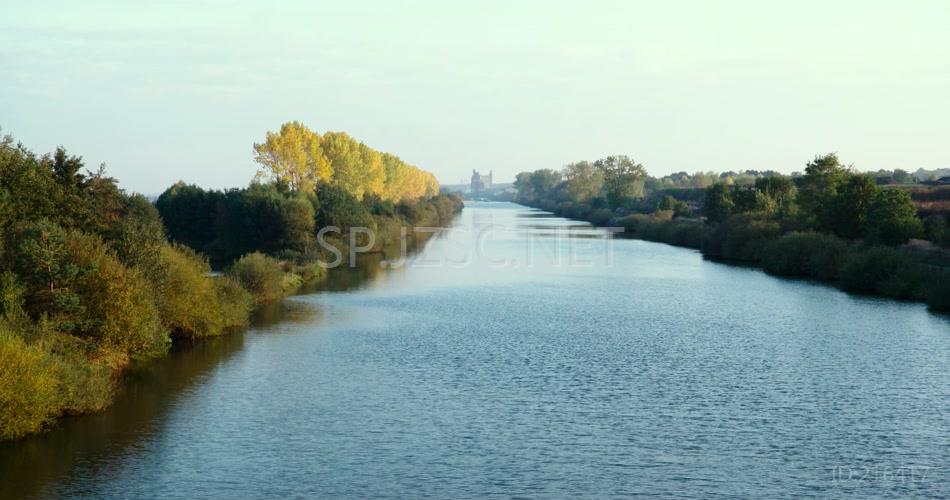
(162, 91)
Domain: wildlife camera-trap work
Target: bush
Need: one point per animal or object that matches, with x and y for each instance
(192, 303)
(260, 275)
(739, 238)
(805, 255)
(600, 217)
(234, 302)
(341, 209)
(28, 388)
(85, 383)
(884, 271)
(648, 228)
(687, 234)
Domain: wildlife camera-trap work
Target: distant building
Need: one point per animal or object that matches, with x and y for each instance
(481, 184)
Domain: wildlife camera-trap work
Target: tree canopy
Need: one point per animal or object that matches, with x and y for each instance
(303, 159)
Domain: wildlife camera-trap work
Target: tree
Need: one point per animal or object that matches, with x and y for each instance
(373, 170)
(297, 224)
(544, 181)
(293, 155)
(582, 181)
(525, 188)
(66, 169)
(344, 155)
(818, 188)
(623, 178)
(892, 218)
(718, 204)
(681, 209)
(667, 203)
(779, 192)
(338, 207)
(847, 214)
(190, 214)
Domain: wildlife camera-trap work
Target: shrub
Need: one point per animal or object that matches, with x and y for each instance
(85, 384)
(739, 238)
(28, 388)
(892, 219)
(884, 271)
(260, 275)
(600, 217)
(687, 234)
(234, 302)
(806, 255)
(190, 301)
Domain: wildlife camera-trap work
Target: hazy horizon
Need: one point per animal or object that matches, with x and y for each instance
(174, 90)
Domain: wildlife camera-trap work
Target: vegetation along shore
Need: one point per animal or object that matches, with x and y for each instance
(884, 233)
(93, 278)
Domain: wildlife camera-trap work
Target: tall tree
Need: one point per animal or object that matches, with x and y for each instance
(718, 204)
(623, 178)
(293, 156)
(818, 188)
(583, 181)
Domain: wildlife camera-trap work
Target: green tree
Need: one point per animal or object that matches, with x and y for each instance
(818, 188)
(847, 214)
(623, 178)
(544, 182)
(667, 203)
(525, 188)
(582, 181)
(190, 214)
(718, 204)
(681, 209)
(892, 218)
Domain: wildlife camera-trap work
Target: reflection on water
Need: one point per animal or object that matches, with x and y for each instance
(502, 360)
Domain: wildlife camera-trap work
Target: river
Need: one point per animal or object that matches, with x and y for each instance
(524, 355)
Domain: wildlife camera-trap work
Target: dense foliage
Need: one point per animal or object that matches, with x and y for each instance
(88, 284)
(829, 223)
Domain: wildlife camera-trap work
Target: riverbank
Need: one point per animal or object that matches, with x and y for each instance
(94, 279)
(46, 375)
(903, 273)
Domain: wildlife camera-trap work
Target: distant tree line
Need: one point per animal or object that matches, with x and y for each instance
(830, 222)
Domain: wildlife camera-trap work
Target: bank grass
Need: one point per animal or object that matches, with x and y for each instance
(805, 255)
(885, 271)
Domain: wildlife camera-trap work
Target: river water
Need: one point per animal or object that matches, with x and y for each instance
(524, 355)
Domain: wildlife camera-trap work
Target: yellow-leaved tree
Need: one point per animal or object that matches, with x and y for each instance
(294, 156)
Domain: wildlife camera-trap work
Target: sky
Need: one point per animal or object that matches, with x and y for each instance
(174, 90)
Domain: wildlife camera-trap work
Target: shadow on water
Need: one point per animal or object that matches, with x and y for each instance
(149, 390)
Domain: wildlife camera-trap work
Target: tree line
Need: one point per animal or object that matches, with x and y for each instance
(830, 223)
(302, 160)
